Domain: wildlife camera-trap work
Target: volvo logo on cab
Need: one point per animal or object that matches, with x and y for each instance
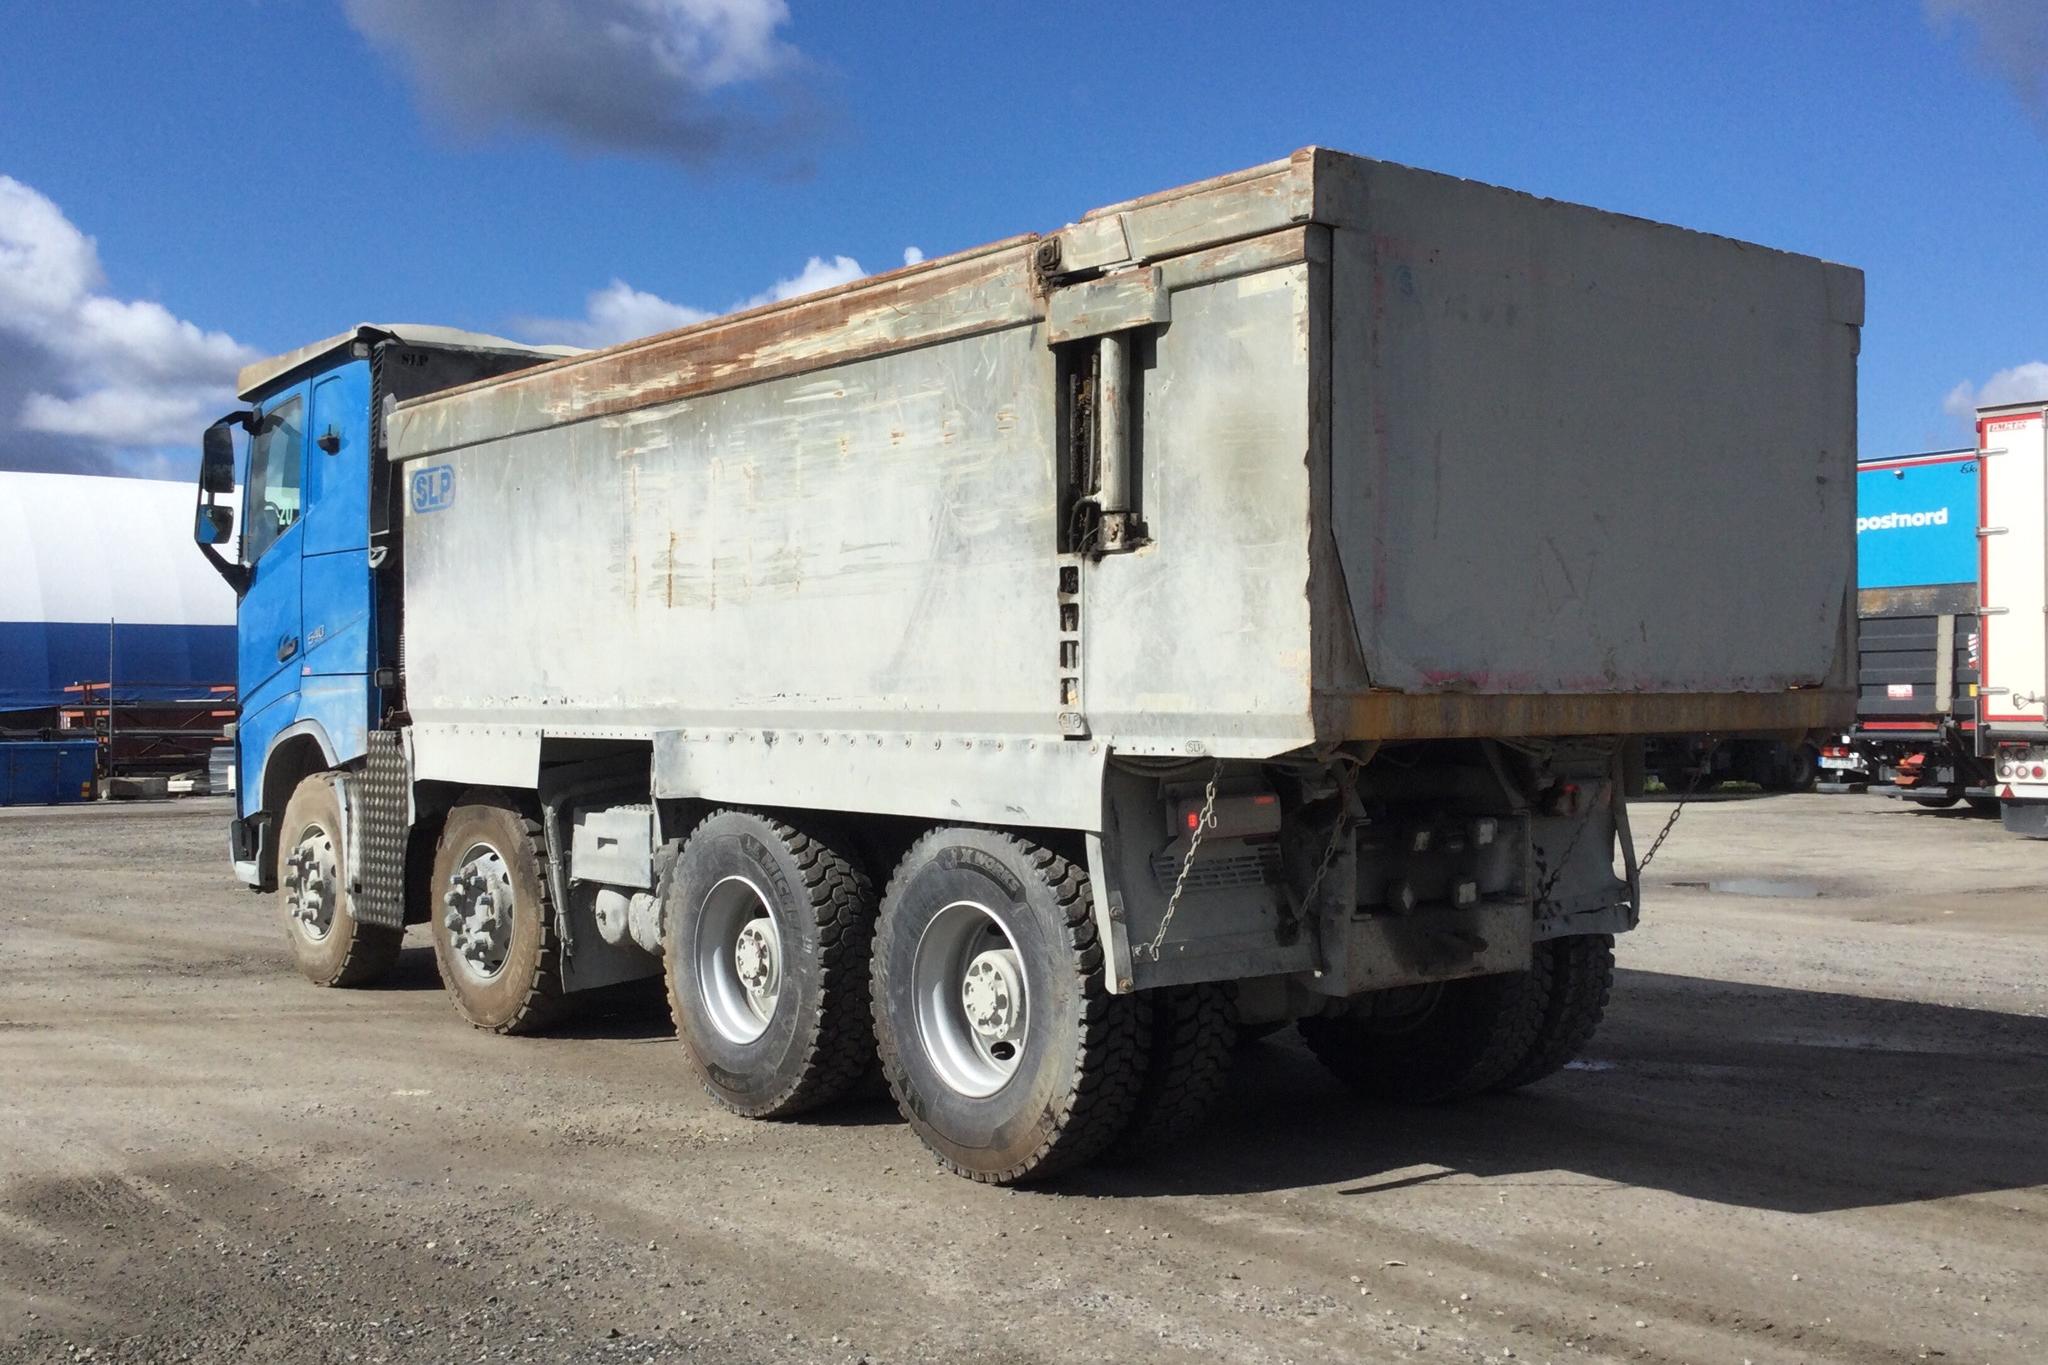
(1889, 521)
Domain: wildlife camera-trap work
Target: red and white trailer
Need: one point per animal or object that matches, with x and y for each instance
(2012, 581)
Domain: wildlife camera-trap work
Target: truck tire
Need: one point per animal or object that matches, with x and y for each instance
(1187, 1068)
(768, 932)
(329, 947)
(495, 938)
(1581, 978)
(1002, 1045)
(1436, 1043)
(1799, 770)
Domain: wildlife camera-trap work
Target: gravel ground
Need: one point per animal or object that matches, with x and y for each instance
(1813, 1128)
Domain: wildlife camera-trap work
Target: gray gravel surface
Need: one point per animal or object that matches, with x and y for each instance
(1813, 1128)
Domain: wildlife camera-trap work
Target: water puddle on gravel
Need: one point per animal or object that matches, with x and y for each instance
(1784, 888)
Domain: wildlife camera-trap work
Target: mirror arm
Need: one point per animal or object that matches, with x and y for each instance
(237, 575)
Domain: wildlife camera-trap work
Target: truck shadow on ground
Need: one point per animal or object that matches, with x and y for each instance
(1759, 1096)
(1797, 1101)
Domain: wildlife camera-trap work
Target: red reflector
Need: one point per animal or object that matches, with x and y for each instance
(2005, 794)
(1266, 799)
(2040, 771)
(1194, 819)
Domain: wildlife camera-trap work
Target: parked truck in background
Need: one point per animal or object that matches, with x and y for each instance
(1915, 735)
(1691, 764)
(1025, 667)
(2012, 578)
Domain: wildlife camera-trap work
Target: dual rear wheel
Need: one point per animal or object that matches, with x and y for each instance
(1455, 1039)
(976, 982)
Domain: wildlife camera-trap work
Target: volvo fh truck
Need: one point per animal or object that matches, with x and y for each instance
(1021, 670)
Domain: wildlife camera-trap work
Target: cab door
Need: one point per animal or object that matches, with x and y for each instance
(335, 602)
(267, 621)
(267, 633)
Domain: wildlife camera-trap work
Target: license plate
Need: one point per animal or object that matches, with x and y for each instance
(1839, 763)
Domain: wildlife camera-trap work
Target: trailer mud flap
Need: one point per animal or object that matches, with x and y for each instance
(377, 808)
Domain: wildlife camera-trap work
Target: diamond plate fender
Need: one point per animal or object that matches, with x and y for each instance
(378, 807)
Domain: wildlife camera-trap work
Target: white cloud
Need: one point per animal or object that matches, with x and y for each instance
(2020, 384)
(2012, 38)
(102, 370)
(818, 273)
(619, 312)
(618, 75)
(913, 255)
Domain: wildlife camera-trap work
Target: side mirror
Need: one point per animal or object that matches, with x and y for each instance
(216, 526)
(217, 459)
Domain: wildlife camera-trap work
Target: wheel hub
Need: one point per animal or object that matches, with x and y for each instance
(313, 877)
(991, 992)
(973, 1001)
(735, 952)
(477, 912)
(757, 958)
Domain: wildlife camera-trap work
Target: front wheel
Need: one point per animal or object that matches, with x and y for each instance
(1001, 1043)
(329, 946)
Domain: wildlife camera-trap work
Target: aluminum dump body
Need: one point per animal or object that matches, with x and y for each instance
(1414, 457)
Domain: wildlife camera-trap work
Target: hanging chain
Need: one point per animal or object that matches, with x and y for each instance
(1685, 798)
(1202, 825)
(1563, 860)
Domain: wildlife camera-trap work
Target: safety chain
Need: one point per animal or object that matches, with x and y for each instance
(1202, 826)
(1337, 832)
(1691, 790)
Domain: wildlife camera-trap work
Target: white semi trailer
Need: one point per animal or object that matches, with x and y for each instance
(1023, 669)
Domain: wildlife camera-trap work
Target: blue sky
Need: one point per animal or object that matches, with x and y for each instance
(269, 171)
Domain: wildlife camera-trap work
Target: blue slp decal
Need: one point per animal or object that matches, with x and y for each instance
(433, 488)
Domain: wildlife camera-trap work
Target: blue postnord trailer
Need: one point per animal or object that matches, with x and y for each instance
(1917, 609)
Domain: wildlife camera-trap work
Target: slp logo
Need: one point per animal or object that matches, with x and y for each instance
(433, 488)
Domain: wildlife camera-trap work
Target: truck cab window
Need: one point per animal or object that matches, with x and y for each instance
(274, 464)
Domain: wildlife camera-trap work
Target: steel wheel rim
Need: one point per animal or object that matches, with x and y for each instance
(313, 884)
(973, 1004)
(738, 959)
(477, 911)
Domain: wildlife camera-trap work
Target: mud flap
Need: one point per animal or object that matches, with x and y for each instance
(377, 811)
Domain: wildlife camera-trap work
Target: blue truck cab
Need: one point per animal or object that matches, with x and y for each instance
(318, 562)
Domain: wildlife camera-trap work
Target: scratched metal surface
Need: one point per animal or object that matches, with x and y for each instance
(1583, 454)
(1418, 456)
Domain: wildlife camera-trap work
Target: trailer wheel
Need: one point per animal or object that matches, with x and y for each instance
(495, 938)
(328, 945)
(1435, 1043)
(1581, 978)
(768, 936)
(1799, 770)
(1187, 1069)
(999, 1038)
